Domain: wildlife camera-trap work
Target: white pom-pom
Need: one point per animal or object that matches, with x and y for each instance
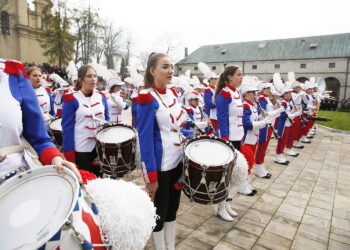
(240, 170)
(127, 214)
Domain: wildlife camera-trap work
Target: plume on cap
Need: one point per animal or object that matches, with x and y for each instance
(135, 78)
(249, 83)
(196, 80)
(277, 84)
(183, 82)
(56, 78)
(102, 71)
(72, 71)
(188, 73)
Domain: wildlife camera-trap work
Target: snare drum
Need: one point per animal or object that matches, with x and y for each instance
(116, 149)
(41, 208)
(208, 164)
(55, 129)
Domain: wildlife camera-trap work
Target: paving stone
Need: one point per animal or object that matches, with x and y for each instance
(226, 246)
(190, 220)
(340, 238)
(322, 196)
(216, 223)
(341, 223)
(266, 198)
(336, 245)
(250, 226)
(193, 244)
(313, 233)
(265, 207)
(303, 243)
(258, 216)
(296, 201)
(276, 193)
(319, 212)
(327, 205)
(293, 217)
(291, 209)
(205, 211)
(341, 232)
(258, 247)
(182, 232)
(273, 241)
(285, 230)
(317, 222)
(241, 239)
(207, 235)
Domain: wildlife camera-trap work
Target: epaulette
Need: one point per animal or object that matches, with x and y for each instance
(48, 90)
(189, 110)
(174, 92)
(14, 68)
(145, 97)
(68, 97)
(262, 98)
(246, 106)
(206, 90)
(225, 93)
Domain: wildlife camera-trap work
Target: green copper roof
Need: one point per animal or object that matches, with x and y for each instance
(328, 46)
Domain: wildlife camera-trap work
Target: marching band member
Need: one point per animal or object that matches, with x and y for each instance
(44, 96)
(209, 102)
(116, 101)
(59, 93)
(194, 112)
(298, 123)
(308, 110)
(229, 115)
(265, 106)
(18, 99)
(81, 112)
(251, 125)
(198, 88)
(159, 120)
(284, 124)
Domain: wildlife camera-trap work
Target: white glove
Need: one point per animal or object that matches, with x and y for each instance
(260, 124)
(201, 125)
(295, 114)
(119, 101)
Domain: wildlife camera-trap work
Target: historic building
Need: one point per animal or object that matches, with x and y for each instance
(19, 28)
(325, 56)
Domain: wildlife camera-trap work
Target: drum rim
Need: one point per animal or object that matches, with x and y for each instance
(114, 124)
(201, 137)
(16, 181)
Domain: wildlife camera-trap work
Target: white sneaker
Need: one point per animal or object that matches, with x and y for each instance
(245, 189)
(305, 140)
(297, 144)
(291, 152)
(222, 212)
(281, 160)
(230, 211)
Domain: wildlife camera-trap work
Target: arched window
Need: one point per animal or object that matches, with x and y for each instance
(5, 23)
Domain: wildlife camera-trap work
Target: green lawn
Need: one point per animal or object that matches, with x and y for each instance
(340, 120)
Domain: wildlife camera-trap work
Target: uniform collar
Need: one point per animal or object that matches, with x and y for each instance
(230, 87)
(264, 95)
(160, 91)
(249, 102)
(211, 86)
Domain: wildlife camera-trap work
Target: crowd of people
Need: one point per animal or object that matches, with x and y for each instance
(166, 110)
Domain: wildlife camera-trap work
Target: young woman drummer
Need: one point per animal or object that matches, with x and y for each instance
(82, 111)
(159, 123)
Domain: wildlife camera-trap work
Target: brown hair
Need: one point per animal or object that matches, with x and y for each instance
(31, 69)
(152, 63)
(81, 74)
(223, 79)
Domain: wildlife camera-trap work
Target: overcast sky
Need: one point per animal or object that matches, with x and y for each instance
(201, 22)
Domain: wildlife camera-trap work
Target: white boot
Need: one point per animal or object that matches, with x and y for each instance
(230, 211)
(297, 144)
(158, 240)
(291, 152)
(245, 189)
(169, 233)
(261, 171)
(281, 160)
(222, 212)
(305, 140)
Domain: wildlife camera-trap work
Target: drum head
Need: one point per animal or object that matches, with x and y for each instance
(209, 152)
(55, 124)
(115, 134)
(34, 207)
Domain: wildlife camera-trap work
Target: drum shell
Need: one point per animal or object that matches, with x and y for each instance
(116, 159)
(214, 176)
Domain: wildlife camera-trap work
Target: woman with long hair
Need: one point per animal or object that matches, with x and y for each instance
(46, 101)
(159, 119)
(81, 112)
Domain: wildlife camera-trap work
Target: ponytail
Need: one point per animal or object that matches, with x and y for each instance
(223, 79)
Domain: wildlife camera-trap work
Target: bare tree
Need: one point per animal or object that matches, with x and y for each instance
(143, 57)
(112, 41)
(168, 43)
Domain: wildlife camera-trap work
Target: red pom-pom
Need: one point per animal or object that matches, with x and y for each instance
(144, 98)
(68, 97)
(177, 185)
(14, 68)
(225, 94)
(87, 176)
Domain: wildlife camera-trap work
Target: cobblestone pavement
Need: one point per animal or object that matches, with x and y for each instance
(305, 205)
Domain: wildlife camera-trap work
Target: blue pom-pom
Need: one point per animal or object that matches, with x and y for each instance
(94, 208)
(87, 245)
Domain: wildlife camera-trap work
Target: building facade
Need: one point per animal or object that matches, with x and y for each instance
(319, 56)
(19, 38)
